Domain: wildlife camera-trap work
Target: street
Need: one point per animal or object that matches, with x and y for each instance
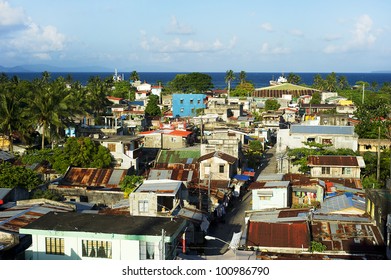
(234, 220)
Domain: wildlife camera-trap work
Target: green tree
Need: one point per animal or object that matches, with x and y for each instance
(343, 83)
(129, 183)
(316, 246)
(11, 108)
(331, 82)
(229, 77)
(371, 115)
(272, 105)
(152, 109)
(294, 79)
(50, 106)
(316, 98)
(18, 176)
(243, 89)
(319, 83)
(134, 76)
(121, 89)
(81, 152)
(97, 95)
(190, 83)
(242, 77)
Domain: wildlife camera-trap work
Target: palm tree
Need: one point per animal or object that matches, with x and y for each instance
(134, 76)
(242, 77)
(50, 106)
(10, 109)
(229, 77)
(97, 94)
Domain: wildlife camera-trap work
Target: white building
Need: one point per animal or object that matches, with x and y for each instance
(339, 137)
(276, 194)
(81, 236)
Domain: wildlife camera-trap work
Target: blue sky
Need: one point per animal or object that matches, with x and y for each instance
(203, 35)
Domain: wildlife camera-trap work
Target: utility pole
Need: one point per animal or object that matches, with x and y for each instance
(363, 91)
(378, 157)
(163, 251)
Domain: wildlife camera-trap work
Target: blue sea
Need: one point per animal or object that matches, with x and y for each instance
(259, 79)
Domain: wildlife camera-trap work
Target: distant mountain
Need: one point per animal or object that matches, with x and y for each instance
(50, 68)
(383, 71)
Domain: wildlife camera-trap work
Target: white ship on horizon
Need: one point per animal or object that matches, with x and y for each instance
(280, 80)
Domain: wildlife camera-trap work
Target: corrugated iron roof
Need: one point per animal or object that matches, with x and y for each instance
(169, 187)
(348, 236)
(11, 220)
(286, 235)
(109, 178)
(228, 158)
(348, 161)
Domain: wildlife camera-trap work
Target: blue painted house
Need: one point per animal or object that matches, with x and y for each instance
(186, 105)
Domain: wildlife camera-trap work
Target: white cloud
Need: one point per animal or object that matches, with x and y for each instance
(267, 26)
(363, 33)
(10, 16)
(35, 38)
(297, 32)
(363, 36)
(27, 38)
(267, 49)
(178, 45)
(176, 27)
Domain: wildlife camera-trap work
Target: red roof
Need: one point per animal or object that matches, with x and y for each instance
(180, 133)
(288, 235)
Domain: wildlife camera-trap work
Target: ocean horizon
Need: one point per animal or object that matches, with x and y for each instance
(259, 79)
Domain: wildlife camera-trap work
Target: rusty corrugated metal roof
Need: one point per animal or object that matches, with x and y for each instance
(286, 235)
(332, 161)
(11, 220)
(109, 178)
(348, 236)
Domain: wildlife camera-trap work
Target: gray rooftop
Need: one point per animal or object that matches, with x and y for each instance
(277, 184)
(99, 223)
(168, 187)
(322, 129)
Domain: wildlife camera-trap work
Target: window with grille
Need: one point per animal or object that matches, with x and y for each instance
(147, 250)
(143, 206)
(221, 168)
(325, 170)
(96, 249)
(111, 147)
(54, 246)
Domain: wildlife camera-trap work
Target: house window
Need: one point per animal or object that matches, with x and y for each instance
(147, 250)
(265, 195)
(96, 249)
(325, 170)
(199, 101)
(173, 139)
(54, 246)
(327, 142)
(111, 147)
(191, 101)
(143, 206)
(311, 139)
(181, 101)
(221, 168)
(182, 110)
(193, 111)
(346, 170)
